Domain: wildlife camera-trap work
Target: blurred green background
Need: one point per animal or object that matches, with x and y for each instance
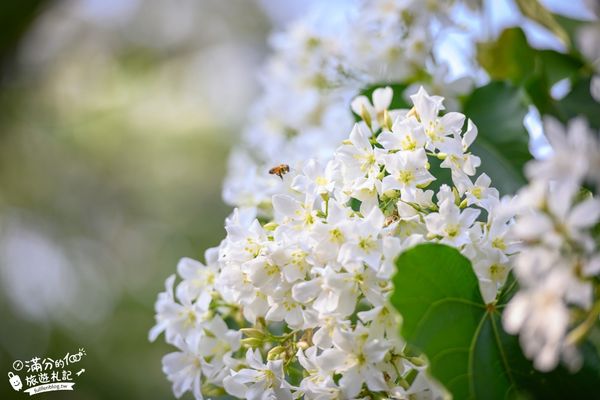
(115, 122)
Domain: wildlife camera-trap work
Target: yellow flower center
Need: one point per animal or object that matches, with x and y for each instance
(406, 177)
(452, 230)
(336, 236)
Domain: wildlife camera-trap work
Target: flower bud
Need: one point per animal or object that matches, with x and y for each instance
(211, 390)
(402, 382)
(387, 120)
(303, 345)
(417, 361)
(364, 114)
(252, 333)
(270, 226)
(456, 195)
(275, 352)
(413, 113)
(252, 342)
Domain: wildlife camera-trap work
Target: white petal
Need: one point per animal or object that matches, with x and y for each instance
(585, 214)
(453, 121)
(382, 98)
(470, 134)
(285, 205)
(358, 103)
(304, 292)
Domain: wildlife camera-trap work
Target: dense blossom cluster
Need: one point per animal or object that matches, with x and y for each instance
(294, 301)
(559, 264)
(298, 306)
(319, 64)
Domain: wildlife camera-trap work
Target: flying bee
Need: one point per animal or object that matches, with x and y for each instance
(280, 170)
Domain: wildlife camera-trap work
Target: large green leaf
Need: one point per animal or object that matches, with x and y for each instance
(445, 317)
(579, 101)
(511, 57)
(498, 110)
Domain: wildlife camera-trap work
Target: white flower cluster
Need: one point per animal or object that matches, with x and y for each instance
(298, 306)
(559, 263)
(319, 64)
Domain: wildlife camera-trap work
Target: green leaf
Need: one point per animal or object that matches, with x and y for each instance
(579, 101)
(533, 10)
(354, 204)
(510, 57)
(498, 110)
(558, 66)
(570, 25)
(538, 90)
(444, 316)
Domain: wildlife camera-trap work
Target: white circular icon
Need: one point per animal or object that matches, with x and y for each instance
(18, 365)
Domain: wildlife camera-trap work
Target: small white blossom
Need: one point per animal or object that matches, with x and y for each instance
(259, 381)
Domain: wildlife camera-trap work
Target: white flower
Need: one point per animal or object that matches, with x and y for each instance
(259, 381)
(332, 293)
(177, 320)
(562, 166)
(450, 223)
(246, 239)
(492, 272)
(407, 134)
(283, 307)
(184, 368)
(329, 235)
(407, 171)
(363, 244)
(217, 344)
(294, 213)
(382, 320)
(427, 108)
(561, 219)
(355, 356)
(319, 384)
(454, 149)
(382, 98)
(198, 279)
(479, 193)
(315, 178)
(555, 220)
(263, 273)
(358, 156)
(291, 257)
(541, 317)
